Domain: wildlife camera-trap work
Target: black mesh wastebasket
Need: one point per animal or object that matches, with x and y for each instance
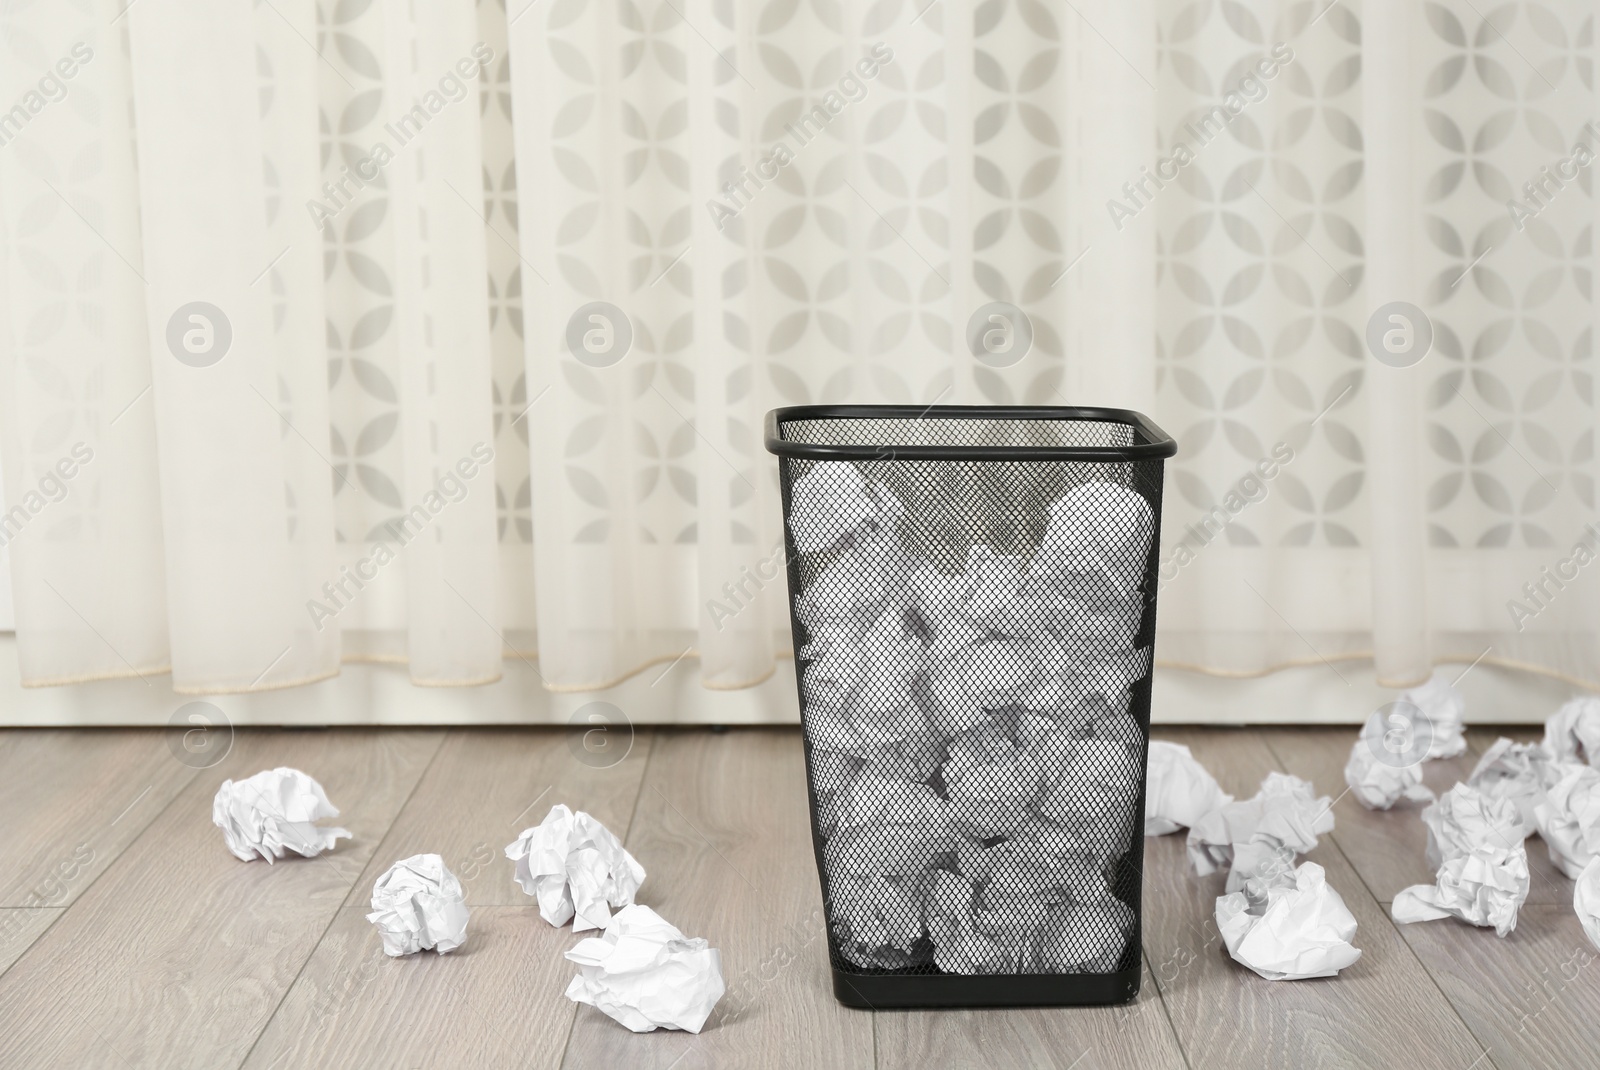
(973, 594)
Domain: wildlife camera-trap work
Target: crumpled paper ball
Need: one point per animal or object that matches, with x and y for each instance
(418, 904)
(891, 736)
(913, 758)
(1082, 938)
(1484, 887)
(1037, 901)
(576, 868)
(273, 813)
(1463, 818)
(1378, 785)
(1289, 928)
(858, 693)
(849, 592)
(999, 673)
(1098, 675)
(991, 783)
(646, 974)
(892, 850)
(872, 806)
(1586, 900)
(1098, 527)
(1569, 817)
(1041, 859)
(1517, 772)
(991, 593)
(958, 946)
(877, 917)
(1095, 793)
(1444, 709)
(827, 503)
(1093, 608)
(1261, 836)
(878, 694)
(1572, 733)
(1178, 789)
(872, 798)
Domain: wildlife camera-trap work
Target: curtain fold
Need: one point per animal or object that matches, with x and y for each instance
(1107, 272)
(1399, 578)
(87, 552)
(221, 329)
(359, 329)
(1400, 154)
(432, 61)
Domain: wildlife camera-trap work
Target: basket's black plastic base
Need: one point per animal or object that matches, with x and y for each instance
(872, 991)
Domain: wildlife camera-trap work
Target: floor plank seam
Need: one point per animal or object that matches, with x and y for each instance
(388, 830)
(60, 913)
(1401, 936)
(1452, 1003)
(1333, 838)
(290, 987)
(649, 756)
(633, 818)
(1166, 1012)
(333, 915)
(96, 880)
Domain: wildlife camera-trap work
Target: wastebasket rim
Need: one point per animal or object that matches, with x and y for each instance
(1157, 444)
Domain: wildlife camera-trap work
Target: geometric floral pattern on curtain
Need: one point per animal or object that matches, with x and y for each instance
(507, 289)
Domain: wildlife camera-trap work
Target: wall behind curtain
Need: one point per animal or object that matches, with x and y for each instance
(400, 455)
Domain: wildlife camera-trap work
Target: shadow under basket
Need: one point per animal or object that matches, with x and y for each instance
(973, 597)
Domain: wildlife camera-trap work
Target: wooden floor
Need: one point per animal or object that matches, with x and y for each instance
(129, 937)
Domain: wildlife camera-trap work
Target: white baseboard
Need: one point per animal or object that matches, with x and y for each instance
(382, 694)
(1309, 695)
(376, 694)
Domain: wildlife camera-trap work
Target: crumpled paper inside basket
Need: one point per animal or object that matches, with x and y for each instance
(850, 592)
(958, 946)
(1083, 938)
(827, 503)
(877, 918)
(1096, 794)
(969, 704)
(1098, 527)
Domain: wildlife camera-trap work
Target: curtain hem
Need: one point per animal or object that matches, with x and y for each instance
(1367, 655)
(393, 659)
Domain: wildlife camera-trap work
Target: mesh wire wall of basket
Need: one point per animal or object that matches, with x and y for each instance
(973, 599)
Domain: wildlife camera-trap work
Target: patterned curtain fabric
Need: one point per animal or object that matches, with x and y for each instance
(442, 333)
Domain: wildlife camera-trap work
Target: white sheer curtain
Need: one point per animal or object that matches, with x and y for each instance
(424, 231)
(1432, 512)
